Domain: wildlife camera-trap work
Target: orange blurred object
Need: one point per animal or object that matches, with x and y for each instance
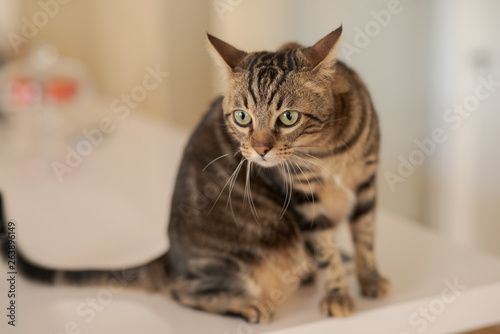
(61, 88)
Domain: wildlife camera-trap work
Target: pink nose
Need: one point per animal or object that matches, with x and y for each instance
(262, 149)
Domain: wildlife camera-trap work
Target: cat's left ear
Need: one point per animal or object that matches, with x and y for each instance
(323, 54)
(226, 55)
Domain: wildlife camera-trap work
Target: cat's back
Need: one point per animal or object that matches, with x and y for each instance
(203, 146)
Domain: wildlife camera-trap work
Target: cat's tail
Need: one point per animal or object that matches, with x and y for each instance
(150, 276)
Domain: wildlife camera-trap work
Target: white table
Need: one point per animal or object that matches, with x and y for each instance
(56, 222)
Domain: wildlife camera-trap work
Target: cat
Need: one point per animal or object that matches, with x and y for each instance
(285, 155)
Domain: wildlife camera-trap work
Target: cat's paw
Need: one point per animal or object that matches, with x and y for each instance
(337, 304)
(375, 287)
(255, 313)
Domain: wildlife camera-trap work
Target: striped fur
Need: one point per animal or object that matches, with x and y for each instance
(246, 228)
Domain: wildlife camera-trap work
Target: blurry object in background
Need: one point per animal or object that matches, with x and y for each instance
(44, 80)
(26, 92)
(46, 100)
(23, 92)
(61, 89)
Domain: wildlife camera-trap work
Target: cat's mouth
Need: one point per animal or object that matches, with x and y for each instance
(268, 160)
(262, 161)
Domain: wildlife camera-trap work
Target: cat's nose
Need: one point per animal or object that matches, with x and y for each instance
(262, 149)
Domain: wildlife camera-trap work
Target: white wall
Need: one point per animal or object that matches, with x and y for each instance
(191, 85)
(463, 179)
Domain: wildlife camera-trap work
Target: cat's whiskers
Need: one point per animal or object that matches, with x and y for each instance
(225, 185)
(310, 188)
(285, 183)
(328, 174)
(307, 149)
(315, 158)
(288, 196)
(234, 177)
(291, 182)
(220, 157)
(248, 192)
(305, 161)
(326, 171)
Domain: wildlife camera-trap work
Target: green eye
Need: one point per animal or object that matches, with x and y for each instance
(289, 117)
(242, 118)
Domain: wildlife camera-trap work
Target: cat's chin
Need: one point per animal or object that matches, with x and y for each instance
(266, 163)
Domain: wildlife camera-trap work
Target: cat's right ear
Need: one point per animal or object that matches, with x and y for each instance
(226, 55)
(323, 54)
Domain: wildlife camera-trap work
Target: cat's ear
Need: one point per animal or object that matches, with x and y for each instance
(323, 54)
(226, 55)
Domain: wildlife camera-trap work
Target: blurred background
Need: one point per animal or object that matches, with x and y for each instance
(433, 69)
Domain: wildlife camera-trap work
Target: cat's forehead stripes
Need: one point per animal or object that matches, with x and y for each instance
(267, 71)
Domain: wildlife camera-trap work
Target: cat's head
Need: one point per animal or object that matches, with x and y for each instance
(276, 102)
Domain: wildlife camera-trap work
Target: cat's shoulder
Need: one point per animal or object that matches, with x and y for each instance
(347, 78)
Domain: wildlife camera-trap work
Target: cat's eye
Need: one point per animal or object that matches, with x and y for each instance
(242, 118)
(289, 117)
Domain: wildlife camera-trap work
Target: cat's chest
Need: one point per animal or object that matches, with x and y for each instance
(317, 176)
(331, 188)
(332, 199)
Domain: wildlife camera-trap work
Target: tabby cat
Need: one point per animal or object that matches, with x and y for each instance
(287, 154)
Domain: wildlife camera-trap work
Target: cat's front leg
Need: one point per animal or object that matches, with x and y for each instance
(331, 274)
(362, 225)
(320, 220)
